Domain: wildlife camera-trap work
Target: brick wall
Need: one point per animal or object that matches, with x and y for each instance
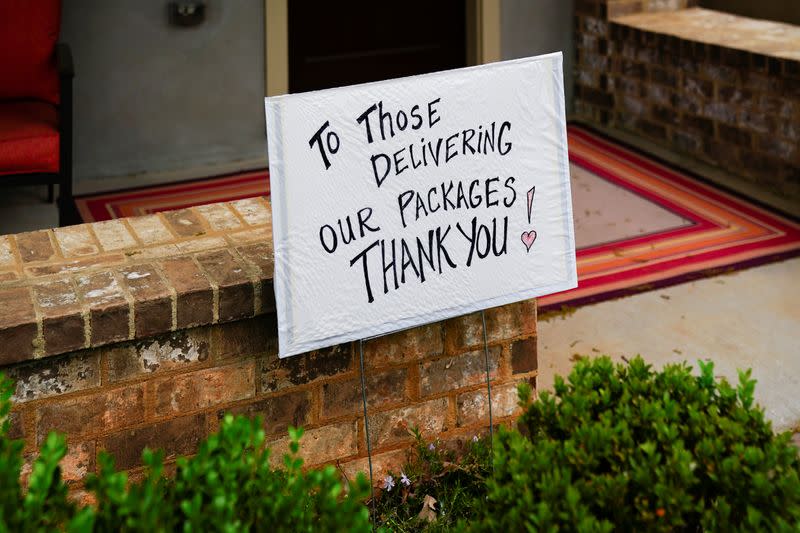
(145, 331)
(683, 80)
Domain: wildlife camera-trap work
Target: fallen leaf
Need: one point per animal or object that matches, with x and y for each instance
(428, 512)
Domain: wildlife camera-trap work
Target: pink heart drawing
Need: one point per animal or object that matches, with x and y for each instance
(527, 239)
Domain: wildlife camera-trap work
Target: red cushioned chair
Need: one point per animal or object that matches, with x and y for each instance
(36, 101)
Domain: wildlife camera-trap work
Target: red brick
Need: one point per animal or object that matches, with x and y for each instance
(152, 300)
(321, 445)
(17, 325)
(250, 336)
(92, 413)
(392, 427)
(513, 320)
(178, 350)
(260, 257)
(235, 289)
(523, 356)
(34, 246)
(108, 308)
(408, 345)
(277, 412)
(455, 372)
(78, 462)
(75, 265)
(343, 397)
(204, 388)
(473, 407)
(619, 9)
(16, 425)
(382, 464)
(277, 374)
(54, 376)
(62, 322)
(179, 436)
(502, 323)
(184, 222)
(254, 211)
(194, 294)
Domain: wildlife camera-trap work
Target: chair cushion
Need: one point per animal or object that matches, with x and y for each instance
(28, 36)
(28, 137)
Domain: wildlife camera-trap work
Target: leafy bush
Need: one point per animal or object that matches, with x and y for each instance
(624, 448)
(228, 486)
(618, 447)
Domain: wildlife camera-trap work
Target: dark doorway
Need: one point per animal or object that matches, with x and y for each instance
(341, 43)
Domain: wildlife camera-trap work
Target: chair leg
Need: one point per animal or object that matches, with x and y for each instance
(67, 212)
(50, 188)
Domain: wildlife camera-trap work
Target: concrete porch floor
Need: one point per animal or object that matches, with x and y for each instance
(747, 319)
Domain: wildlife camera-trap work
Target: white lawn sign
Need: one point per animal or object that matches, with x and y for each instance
(409, 201)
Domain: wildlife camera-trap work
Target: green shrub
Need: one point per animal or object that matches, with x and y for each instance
(624, 448)
(228, 486)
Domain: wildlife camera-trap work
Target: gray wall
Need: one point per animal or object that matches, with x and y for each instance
(149, 97)
(532, 27)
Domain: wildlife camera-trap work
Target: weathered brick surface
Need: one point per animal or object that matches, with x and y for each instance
(204, 388)
(252, 336)
(179, 350)
(321, 445)
(392, 427)
(153, 308)
(277, 374)
(698, 82)
(343, 397)
(75, 241)
(455, 372)
(18, 328)
(62, 322)
(149, 229)
(219, 216)
(235, 291)
(473, 407)
(35, 246)
(253, 211)
(502, 323)
(16, 425)
(184, 222)
(195, 298)
(178, 436)
(52, 377)
(408, 345)
(79, 461)
(277, 412)
(114, 235)
(176, 312)
(382, 464)
(109, 310)
(523, 356)
(73, 266)
(92, 413)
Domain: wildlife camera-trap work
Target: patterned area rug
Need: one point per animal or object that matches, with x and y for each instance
(639, 224)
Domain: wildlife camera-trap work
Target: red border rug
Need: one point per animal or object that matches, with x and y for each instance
(146, 200)
(725, 232)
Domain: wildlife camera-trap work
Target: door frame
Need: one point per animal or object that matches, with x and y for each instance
(483, 39)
